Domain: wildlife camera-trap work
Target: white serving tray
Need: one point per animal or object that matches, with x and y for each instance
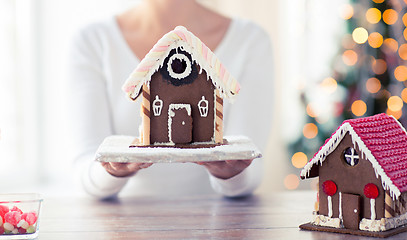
(116, 149)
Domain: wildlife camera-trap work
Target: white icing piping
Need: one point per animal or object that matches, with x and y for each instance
(340, 206)
(372, 209)
(184, 74)
(171, 114)
(214, 116)
(334, 141)
(329, 206)
(158, 63)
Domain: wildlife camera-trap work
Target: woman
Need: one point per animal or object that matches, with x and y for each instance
(103, 56)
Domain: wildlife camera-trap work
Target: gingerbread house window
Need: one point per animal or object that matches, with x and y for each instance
(179, 66)
(203, 107)
(351, 157)
(157, 106)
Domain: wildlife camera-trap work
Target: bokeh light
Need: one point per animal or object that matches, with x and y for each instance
(312, 110)
(395, 103)
(378, 1)
(350, 57)
(396, 114)
(379, 66)
(405, 34)
(299, 159)
(375, 40)
(360, 35)
(291, 181)
(329, 85)
(391, 44)
(400, 73)
(310, 130)
(347, 41)
(346, 11)
(373, 15)
(403, 51)
(359, 108)
(390, 16)
(404, 18)
(373, 85)
(404, 95)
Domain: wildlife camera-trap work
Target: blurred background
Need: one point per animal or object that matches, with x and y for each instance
(334, 60)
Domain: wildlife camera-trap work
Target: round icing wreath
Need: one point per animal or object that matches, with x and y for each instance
(179, 59)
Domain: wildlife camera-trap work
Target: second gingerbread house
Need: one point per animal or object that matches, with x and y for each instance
(362, 173)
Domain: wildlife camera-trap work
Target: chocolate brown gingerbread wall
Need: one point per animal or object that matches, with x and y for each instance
(349, 179)
(191, 93)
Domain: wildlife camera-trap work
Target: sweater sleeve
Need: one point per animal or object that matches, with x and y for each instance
(90, 113)
(251, 114)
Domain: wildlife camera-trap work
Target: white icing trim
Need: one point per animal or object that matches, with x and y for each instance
(340, 206)
(372, 209)
(383, 224)
(171, 114)
(329, 206)
(138, 81)
(325, 221)
(334, 141)
(184, 74)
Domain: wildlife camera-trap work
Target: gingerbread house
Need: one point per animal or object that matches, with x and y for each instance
(182, 85)
(362, 170)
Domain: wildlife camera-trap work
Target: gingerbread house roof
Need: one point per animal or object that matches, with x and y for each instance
(201, 54)
(382, 140)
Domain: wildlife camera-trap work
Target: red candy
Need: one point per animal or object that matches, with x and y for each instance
(1, 230)
(12, 217)
(371, 191)
(30, 217)
(329, 187)
(3, 210)
(16, 209)
(21, 230)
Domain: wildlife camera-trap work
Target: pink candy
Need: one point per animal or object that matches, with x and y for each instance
(16, 209)
(30, 217)
(12, 217)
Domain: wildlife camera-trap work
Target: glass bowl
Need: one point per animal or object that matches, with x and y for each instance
(19, 215)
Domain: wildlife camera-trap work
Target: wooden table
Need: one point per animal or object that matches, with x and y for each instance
(274, 216)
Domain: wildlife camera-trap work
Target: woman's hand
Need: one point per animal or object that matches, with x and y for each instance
(226, 169)
(124, 169)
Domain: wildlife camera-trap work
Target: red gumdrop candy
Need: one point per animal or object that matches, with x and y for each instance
(21, 230)
(12, 217)
(3, 210)
(329, 187)
(16, 209)
(371, 191)
(1, 230)
(30, 217)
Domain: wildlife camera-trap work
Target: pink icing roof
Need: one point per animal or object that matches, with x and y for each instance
(201, 54)
(383, 141)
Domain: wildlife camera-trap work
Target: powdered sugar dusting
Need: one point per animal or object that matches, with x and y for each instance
(116, 149)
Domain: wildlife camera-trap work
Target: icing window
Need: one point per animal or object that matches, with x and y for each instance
(203, 107)
(157, 106)
(351, 156)
(179, 66)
